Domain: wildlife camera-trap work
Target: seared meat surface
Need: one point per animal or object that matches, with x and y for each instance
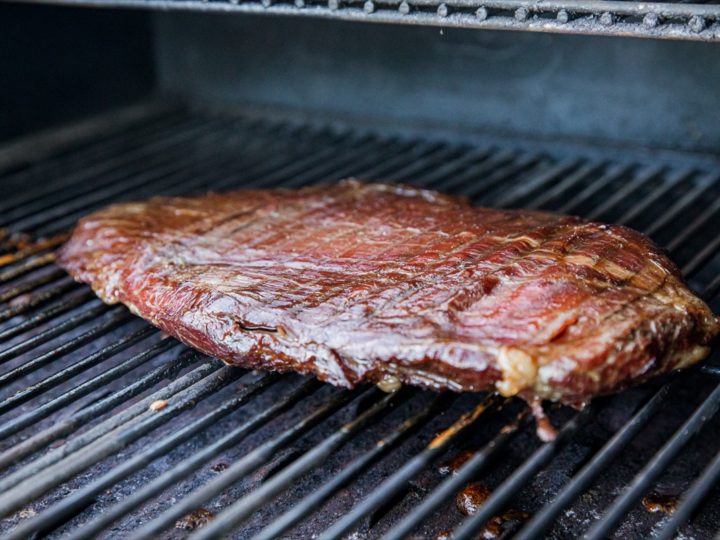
(360, 282)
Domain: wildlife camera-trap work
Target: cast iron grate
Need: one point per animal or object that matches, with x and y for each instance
(107, 426)
(677, 19)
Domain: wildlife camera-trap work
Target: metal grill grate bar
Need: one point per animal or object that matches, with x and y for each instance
(61, 172)
(13, 292)
(33, 249)
(446, 171)
(682, 205)
(118, 318)
(16, 494)
(413, 467)
(38, 413)
(568, 182)
(670, 182)
(179, 472)
(77, 367)
(638, 180)
(492, 180)
(693, 498)
(533, 182)
(39, 440)
(37, 299)
(714, 287)
(694, 225)
(52, 311)
(612, 517)
(478, 170)
(260, 455)
(602, 459)
(193, 148)
(612, 174)
(447, 489)
(72, 504)
(293, 155)
(307, 505)
(50, 333)
(243, 507)
(152, 176)
(520, 477)
(114, 169)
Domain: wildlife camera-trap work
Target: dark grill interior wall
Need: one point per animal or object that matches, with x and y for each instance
(59, 64)
(645, 92)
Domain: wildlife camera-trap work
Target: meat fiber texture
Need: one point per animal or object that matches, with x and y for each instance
(358, 282)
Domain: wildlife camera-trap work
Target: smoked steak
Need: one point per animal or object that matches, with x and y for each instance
(363, 282)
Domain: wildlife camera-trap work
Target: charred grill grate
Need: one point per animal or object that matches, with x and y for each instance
(678, 19)
(107, 425)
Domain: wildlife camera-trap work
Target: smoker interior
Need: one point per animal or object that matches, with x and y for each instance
(108, 427)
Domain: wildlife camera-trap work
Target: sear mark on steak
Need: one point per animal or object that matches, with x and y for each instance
(358, 282)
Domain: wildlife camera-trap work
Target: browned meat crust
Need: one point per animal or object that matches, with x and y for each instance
(357, 282)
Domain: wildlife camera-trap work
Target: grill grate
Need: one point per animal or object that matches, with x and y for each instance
(108, 425)
(676, 19)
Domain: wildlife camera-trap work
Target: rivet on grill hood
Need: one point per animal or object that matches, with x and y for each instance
(651, 20)
(696, 23)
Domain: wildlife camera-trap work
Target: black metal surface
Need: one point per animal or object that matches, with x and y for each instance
(62, 64)
(669, 20)
(107, 426)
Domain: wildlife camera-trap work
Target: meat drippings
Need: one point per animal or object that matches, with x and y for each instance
(472, 497)
(195, 519)
(452, 466)
(158, 405)
(657, 502)
(389, 384)
(497, 525)
(519, 371)
(219, 467)
(546, 432)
